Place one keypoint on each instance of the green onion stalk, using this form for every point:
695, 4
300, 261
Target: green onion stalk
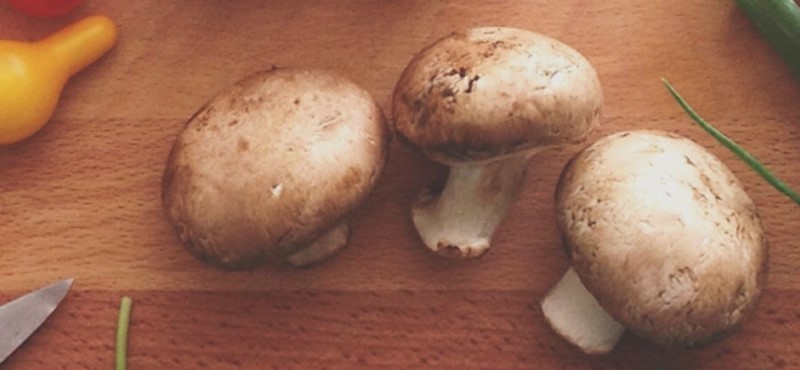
778, 21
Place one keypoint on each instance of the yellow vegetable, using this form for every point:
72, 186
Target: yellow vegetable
33, 74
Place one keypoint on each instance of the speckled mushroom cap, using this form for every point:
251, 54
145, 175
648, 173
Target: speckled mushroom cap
487, 92
270, 164
663, 235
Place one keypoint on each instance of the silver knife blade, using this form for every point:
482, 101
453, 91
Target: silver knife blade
22, 316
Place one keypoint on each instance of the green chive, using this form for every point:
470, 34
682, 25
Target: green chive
122, 333
735, 148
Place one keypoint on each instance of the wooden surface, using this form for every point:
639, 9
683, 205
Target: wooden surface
81, 198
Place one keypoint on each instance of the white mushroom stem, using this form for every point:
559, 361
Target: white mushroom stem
325, 246
575, 315
461, 221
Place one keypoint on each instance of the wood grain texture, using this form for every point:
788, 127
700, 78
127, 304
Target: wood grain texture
81, 198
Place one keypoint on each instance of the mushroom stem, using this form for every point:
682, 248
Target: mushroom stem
461, 221
577, 316
326, 245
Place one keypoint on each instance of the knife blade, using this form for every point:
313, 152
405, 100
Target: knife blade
21, 317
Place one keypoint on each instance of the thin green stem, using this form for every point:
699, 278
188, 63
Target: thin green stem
751, 161
122, 333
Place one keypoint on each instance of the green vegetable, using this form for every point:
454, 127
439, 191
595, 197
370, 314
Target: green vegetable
735, 148
778, 21
122, 333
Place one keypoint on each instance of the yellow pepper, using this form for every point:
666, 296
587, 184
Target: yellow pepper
32, 75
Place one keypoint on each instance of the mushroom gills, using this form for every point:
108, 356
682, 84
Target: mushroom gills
575, 314
461, 221
326, 245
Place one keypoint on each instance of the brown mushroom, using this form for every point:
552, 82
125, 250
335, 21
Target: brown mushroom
664, 242
273, 167
483, 102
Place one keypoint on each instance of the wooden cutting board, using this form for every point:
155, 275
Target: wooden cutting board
81, 198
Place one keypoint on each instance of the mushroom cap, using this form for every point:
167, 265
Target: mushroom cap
267, 166
492, 91
663, 235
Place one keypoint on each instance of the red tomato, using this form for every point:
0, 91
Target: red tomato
45, 8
